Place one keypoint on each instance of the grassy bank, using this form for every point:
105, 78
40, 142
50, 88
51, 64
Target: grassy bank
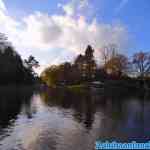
79, 88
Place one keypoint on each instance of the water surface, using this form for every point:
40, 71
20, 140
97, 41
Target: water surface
63, 120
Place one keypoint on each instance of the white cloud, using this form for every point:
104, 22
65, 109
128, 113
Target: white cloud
69, 9
41, 34
65, 32
2, 5
74, 7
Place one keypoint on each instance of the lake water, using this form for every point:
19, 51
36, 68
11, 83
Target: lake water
64, 120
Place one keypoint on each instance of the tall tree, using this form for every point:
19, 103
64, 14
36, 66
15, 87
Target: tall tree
31, 63
117, 65
109, 51
89, 53
12, 70
141, 63
89, 65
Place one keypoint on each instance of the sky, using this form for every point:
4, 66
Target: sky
55, 31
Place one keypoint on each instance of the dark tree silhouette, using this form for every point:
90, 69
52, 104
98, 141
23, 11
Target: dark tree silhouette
12, 69
141, 62
89, 53
31, 62
86, 64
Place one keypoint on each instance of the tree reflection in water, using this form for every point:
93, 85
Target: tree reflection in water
63, 119
11, 101
123, 112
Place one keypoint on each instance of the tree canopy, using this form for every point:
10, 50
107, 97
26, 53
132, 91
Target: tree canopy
12, 68
141, 62
83, 69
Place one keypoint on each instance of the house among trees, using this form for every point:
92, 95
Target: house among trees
84, 68
86, 64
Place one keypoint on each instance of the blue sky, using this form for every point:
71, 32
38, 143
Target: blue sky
119, 21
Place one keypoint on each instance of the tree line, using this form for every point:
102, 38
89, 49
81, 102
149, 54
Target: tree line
114, 65
14, 70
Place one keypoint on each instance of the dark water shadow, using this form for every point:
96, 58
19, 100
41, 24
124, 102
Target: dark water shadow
11, 101
125, 116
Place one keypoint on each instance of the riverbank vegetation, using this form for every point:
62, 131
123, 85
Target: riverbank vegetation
116, 70
13, 69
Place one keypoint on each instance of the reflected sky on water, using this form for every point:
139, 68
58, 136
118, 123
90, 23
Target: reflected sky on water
64, 120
